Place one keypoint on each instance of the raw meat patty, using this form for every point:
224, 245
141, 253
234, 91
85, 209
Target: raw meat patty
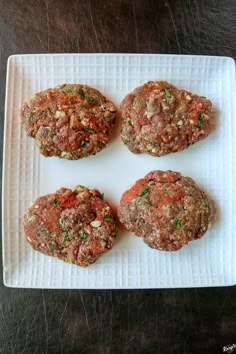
69, 121
75, 226
166, 209
158, 118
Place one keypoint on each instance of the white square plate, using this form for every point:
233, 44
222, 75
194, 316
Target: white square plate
210, 261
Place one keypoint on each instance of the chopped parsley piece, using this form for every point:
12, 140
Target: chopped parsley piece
107, 218
89, 130
83, 235
145, 191
200, 118
48, 234
61, 222
147, 206
83, 202
82, 94
130, 121
203, 96
143, 227
147, 138
178, 224
66, 92
101, 196
167, 93
149, 245
31, 115
54, 201
65, 233
52, 246
83, 143
88, 100
209, 209
126, 142
52, 135
143, 103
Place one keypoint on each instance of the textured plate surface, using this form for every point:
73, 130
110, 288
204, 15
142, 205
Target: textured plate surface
27, 175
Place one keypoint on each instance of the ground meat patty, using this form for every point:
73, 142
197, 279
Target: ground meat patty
158, 118
75, 226
166, 209
69, 121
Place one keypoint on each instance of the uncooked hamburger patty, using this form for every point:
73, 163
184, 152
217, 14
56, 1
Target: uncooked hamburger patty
158, 118
69, 121
75, 226
166, 209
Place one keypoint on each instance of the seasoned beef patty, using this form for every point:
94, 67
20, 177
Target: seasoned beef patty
75, 226
166, 209
69, 121
158, 118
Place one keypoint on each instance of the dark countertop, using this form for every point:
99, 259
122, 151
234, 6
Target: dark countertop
129, 321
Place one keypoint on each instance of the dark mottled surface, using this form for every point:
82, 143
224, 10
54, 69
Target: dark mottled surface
179, 321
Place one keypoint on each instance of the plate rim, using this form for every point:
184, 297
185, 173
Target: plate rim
229, 59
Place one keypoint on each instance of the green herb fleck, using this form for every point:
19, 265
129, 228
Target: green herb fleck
61, 222
82, 94
200, 118
54, 201
147, 138
167, 93
101, 196
209, 209
65, 233
48, 234
66, 92
178, 224
52, 135
89, 130
52, 246
83, 202
203, 97
31, 115
108, 219
129, 121
147, 206
83, 143
126, 142
149, 245
143, 227
83, 235
138, 199
89, 100
94, 154
143, 103
145, 191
